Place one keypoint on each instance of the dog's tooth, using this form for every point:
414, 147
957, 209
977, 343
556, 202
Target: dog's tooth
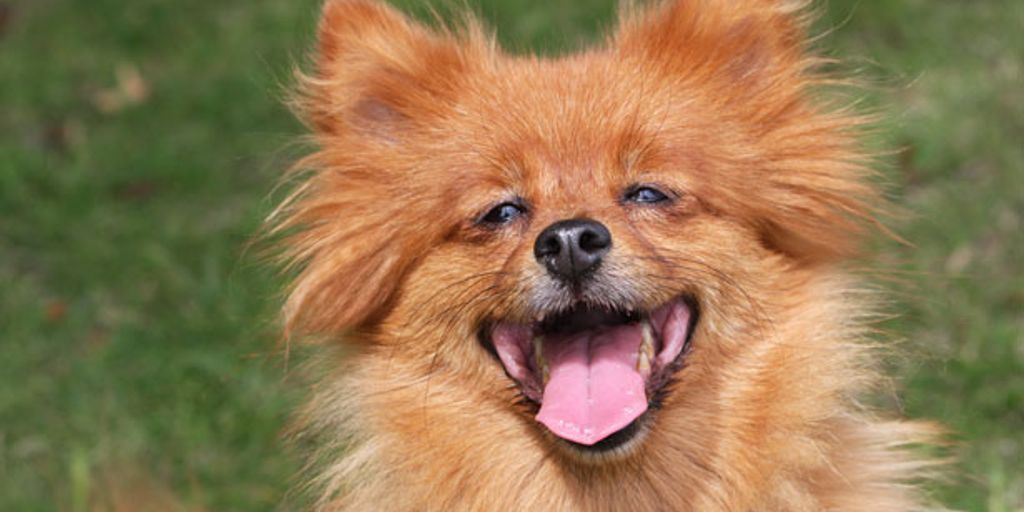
646, 352
643, 363
538, 357
646, 337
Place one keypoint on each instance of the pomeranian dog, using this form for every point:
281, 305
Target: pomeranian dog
612, 280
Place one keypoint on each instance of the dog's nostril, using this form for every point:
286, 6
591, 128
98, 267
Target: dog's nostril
591, 241
572, 249
548, 246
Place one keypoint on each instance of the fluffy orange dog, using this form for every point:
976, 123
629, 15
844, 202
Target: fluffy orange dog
607, 281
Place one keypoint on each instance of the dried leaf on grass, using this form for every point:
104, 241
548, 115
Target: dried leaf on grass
130, 89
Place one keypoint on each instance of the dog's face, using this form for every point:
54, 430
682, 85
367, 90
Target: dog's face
592, 242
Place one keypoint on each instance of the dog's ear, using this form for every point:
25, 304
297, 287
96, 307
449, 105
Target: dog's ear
796, 172
745, 43
377, 72
371, 204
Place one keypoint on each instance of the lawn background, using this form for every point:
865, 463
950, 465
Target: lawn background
140, 141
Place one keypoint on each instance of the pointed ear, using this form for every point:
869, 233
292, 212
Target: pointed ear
743, 42
376, 71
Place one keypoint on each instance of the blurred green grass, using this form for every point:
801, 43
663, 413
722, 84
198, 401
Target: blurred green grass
135, 332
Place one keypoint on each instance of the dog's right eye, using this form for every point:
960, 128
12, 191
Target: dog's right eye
502, 214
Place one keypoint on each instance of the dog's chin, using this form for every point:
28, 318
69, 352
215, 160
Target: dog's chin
595, 376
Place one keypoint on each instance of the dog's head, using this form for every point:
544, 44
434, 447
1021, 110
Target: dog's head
588, 240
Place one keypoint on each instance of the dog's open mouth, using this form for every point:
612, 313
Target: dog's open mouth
595, 371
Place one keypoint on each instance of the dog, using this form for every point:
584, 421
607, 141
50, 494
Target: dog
612, 280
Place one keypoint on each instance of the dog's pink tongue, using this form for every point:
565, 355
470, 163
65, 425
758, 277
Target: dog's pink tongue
594, 388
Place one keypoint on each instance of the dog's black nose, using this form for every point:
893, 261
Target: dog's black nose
572, 249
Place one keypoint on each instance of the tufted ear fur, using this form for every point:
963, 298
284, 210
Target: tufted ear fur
375, 69
367, 209
736, 41
797, 173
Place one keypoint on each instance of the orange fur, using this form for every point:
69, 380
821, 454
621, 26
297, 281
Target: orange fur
421, 130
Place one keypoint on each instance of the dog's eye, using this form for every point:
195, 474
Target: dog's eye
502, 214
645, 195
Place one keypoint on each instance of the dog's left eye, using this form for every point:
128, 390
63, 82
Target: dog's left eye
502, 214
644, 195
